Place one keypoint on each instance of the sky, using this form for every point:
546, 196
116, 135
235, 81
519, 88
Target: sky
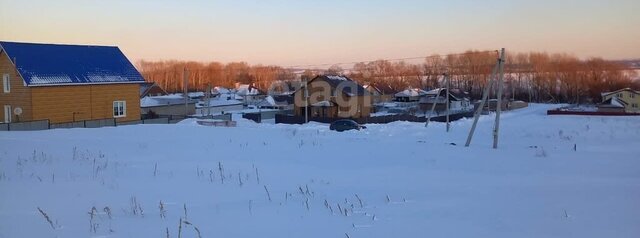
306, 32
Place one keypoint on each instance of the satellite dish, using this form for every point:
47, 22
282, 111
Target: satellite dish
17, 111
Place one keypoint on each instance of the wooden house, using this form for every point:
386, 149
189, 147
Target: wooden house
410, 95
458, 100
332, 97
65, 83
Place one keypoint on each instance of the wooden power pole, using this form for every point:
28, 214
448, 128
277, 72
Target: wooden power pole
433, 106
447, 101
485, 95
496, 128
185, 76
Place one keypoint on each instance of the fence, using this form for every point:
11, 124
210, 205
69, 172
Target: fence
25, 126
288, 119
265, 115
44, 124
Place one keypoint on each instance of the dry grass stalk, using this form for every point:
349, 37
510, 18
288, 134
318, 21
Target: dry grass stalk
359, 200
268, 194
163, 212
47, 218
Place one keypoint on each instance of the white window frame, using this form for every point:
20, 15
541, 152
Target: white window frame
122, 105
6, 83
7, 113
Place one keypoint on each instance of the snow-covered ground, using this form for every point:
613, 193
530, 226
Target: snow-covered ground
265, 180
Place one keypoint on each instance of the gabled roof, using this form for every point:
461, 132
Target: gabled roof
614, 102
248, 90
411, 92
346, 85
372, 88
284, 87
620, 90
147, 88
52, 64
166, 100
384, 88
275, 101
220, 90
455, 93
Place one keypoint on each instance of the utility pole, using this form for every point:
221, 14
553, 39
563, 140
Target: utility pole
433, 106
496, 128
306, 101
207, 98
447, 101
485, 94
186, 91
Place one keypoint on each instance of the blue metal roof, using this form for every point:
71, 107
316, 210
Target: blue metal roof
51, 64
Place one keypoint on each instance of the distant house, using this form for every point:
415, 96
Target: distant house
65, 83
249, 94
410, 95
151, 89
222, 93
380, 92
280, 102
284, 87
218, 105
622, 100
458, 100
167, 105
196, 95
332, 97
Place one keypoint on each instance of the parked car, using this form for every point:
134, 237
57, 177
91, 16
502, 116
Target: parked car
345, 125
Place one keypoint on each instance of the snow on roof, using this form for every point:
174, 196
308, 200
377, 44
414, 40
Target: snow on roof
171, 99
51, 64
219, 102
411, 92
195, 94
322, 104
221, 90
270, 100
267, 102
620, 90
247, 90
335, 77
616, 102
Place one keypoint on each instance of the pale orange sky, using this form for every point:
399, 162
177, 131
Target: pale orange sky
315, 32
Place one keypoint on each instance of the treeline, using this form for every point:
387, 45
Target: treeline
170, 74
535, 77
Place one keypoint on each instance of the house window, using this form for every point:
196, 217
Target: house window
119, 109
6, 83
634, 105
7, 113
631, 95
620, 95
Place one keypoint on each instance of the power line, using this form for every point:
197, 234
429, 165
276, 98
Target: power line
394, 59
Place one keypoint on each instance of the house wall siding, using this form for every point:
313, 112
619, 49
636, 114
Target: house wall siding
102, 97
20, 95
85, 102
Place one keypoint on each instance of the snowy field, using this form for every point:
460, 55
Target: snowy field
265, 180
